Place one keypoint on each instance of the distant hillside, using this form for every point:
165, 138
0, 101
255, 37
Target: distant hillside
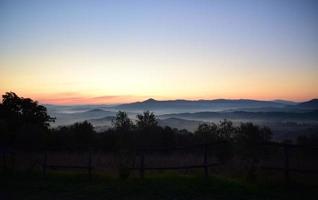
240, 115
312, 104
66, 118
240, 109
190, 125
94, 113
209, 105
103, 119
105, 122
285, 102
95, 110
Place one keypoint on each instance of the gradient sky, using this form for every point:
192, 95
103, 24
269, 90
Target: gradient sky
78, 52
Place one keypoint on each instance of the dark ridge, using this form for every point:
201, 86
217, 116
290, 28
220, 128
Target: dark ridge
96, 110
309, 104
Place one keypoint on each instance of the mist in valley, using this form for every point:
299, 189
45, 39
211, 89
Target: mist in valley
287, 120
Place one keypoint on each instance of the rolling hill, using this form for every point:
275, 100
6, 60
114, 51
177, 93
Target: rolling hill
200, 105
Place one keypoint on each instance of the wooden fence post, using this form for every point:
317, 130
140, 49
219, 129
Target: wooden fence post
13, 158
142, 167
90, 164
4, 160
205, 161
44, 164
286, 166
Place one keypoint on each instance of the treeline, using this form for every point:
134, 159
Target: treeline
25, 125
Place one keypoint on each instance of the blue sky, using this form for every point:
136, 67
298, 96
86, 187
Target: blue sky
163, 49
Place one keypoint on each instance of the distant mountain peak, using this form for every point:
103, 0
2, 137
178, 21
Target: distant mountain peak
150, 100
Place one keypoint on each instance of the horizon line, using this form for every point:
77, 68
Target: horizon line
160, 100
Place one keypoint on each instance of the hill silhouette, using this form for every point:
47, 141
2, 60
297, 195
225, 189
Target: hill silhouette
218, 104
312, 104
313, 115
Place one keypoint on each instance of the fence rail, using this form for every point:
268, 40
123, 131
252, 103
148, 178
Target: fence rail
205, 165
88, 167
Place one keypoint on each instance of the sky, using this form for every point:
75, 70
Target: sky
94, 51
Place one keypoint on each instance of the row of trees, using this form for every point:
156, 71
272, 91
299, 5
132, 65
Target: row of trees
125, 137
25, 123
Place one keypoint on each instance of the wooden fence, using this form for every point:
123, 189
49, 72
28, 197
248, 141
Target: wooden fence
286, 168
205, 165
88, 167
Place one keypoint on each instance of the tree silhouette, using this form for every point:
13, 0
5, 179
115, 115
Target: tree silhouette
226, 130
249, 139
121, 122
78, 136
17, 110
148, 130
21, 116
207, 132
147, 120
125, 149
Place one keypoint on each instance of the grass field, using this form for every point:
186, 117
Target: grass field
64, 185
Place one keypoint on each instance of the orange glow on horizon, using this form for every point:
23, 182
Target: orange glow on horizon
77, 99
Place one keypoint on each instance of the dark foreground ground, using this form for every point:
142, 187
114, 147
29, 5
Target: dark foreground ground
164, 186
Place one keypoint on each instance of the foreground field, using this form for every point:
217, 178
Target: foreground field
165, 186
